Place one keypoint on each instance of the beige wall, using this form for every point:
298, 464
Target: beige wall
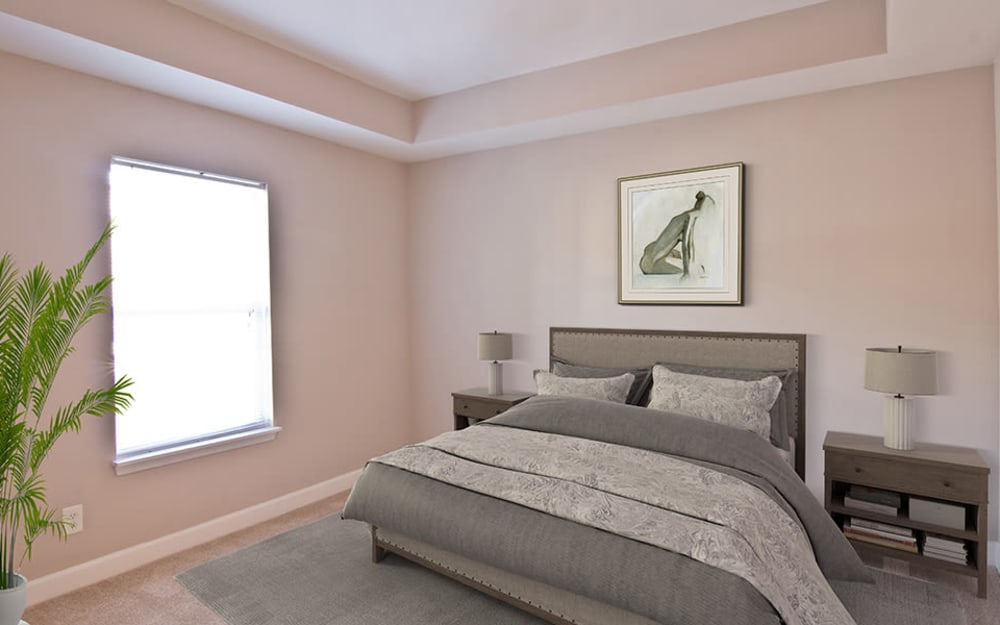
870, 219
339, 303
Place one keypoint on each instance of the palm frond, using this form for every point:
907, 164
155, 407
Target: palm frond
55, 344
113, 400
39, 319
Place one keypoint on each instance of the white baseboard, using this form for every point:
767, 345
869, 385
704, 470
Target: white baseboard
76, 577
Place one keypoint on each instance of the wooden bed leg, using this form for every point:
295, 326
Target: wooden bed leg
378, 553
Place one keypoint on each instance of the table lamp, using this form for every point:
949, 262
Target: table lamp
899, 372
495, 346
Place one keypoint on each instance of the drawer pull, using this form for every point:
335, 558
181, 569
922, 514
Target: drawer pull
857, 469
947, 484
465, 406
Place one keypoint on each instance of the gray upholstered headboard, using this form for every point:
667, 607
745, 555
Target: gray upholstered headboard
643, 348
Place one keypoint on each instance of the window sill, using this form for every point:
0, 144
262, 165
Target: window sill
156, 459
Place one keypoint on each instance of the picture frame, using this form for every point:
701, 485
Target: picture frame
681, 237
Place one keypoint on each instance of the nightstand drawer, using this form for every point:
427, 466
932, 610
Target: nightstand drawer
944, 482
478, 408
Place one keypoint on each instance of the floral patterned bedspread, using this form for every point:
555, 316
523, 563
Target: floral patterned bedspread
658, 499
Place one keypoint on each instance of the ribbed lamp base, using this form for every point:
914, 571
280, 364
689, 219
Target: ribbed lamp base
898, 422
495, 386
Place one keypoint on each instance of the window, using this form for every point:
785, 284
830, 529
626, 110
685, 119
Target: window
192, 312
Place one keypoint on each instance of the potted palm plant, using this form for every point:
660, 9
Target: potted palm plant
39, 318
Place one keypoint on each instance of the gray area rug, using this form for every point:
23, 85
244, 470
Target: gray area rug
322, 574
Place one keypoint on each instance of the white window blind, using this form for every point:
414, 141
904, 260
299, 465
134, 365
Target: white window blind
192, 312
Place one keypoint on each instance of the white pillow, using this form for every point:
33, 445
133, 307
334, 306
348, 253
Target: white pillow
609, 389
744, 404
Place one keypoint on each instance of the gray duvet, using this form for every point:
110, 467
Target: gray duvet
469, 492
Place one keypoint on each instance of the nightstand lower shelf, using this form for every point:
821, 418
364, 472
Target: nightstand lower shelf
869, 549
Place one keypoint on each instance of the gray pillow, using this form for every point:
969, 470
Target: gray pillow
609, 389
638, 394
783, 408
742, 404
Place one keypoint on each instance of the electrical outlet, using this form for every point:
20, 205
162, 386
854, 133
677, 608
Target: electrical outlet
74, 516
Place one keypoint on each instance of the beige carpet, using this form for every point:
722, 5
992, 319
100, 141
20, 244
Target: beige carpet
150, 595
977, 611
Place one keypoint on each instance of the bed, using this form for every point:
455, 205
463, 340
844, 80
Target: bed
580, 508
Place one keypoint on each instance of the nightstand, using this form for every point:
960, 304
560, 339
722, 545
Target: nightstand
939, 492
475, 404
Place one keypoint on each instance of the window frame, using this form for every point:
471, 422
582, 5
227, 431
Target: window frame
251, 433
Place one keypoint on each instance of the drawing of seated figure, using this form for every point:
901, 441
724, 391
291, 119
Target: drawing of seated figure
659, 257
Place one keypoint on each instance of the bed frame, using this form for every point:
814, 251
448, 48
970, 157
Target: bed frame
614, 348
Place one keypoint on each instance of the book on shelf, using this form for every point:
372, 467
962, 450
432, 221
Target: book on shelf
941, 543
871, 506
961, 556
894, 538
962, 553
874, 495
947, 557
853, 530
881, 527
883, 542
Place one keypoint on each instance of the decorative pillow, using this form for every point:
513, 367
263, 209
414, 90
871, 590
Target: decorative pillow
737, 403
609, 389
781, 410
638, 394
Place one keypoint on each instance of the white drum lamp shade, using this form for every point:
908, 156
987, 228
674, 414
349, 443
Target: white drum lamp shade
900, 372
495, 346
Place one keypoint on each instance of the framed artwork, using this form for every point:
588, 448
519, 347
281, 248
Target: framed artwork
681, 237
